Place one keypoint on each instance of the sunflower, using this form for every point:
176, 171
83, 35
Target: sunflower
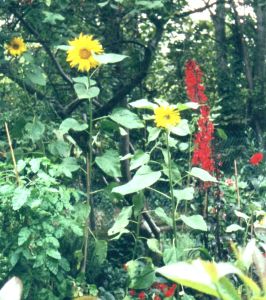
16, 46
166, 116
80, 54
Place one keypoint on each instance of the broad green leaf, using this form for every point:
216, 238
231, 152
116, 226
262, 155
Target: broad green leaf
109, 163
52, 265
154, 132
185, 194
195, 222
242, 215
20, 197
176, 175
202, 174
23, 235
35, 164
156, 4
86, 93
59, 148
109, 58
122, 220
141, 274
64, 47
103, 4
187, 105
52, 18
191, 275
36, 76
100, 251
53, 253
183, 146
138, 202
139, 159
73, 124
182, 129
68, 165
143, 103
154, 245
163, 216
126, 118
233, 228
35, 130
21, 164
227, 289
139, 182
222, 134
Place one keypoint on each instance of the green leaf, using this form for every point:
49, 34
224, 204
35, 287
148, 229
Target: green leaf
163, 216
53, 253
195, 222
23, 235
154, 245
35, 130
36, 76
35, 164
190, 275
126, 118
150, 4
233, 228
182, 129
138, 202
139, 182
185, 194
109, 163
64, 48
103, 4
20, 197
141, 275
222, 134
109, 58
202, 174
188, 105
154, 132
59, 148
68, 165
143, 103
100, 251
52, 265
52, 18
139, 159
73, 124
86, 93
121, 222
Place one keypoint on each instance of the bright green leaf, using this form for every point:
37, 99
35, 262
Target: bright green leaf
126, 118
109, 163
195, 222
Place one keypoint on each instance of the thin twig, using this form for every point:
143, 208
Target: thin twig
12, 154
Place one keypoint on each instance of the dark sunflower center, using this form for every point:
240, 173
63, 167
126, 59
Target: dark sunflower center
167, 117
15, 46
84, 53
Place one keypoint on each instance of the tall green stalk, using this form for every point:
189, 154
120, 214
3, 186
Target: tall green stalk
90, 216
171, 190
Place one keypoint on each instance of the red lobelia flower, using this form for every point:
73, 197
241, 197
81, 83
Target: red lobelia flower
156, 297
132, 293
193, 80
202, 155
141, 295
256, 158
171, 291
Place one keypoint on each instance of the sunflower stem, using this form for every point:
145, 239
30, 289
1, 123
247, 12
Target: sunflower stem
171, 190
90, 216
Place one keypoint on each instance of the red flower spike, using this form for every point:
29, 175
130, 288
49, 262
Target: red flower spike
256, 158
141, 296
156, 297
193, 80
132, 293
171, 291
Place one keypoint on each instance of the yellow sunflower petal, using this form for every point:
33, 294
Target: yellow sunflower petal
166, 116
80, 55
16, 46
